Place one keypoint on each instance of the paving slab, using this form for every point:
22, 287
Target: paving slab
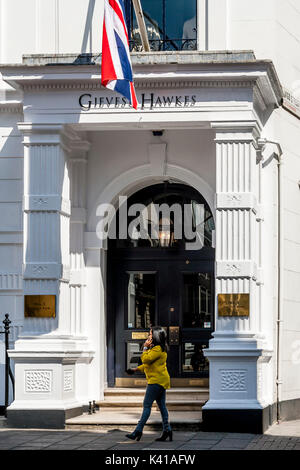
284, 436
285, 428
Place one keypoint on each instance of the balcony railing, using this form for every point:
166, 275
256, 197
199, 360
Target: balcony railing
165, 45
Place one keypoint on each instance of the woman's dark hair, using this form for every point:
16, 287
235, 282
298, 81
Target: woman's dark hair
159, 337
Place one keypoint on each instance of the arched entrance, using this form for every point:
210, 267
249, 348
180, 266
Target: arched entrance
161, 273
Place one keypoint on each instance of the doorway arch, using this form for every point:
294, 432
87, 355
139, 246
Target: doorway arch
157, 280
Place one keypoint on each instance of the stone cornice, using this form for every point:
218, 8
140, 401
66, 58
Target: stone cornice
158, 71
145, 83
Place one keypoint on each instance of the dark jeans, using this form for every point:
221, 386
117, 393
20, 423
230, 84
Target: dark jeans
158, 393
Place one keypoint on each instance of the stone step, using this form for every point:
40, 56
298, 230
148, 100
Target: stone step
180, 405
173, 393
180, 399
126, 420
122, 408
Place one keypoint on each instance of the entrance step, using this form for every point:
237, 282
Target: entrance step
126, 420
178, 399
122, 407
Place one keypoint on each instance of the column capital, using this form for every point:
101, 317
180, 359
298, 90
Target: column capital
55, 134
230, 132
76, 145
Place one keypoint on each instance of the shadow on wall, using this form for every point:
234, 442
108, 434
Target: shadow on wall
86, 57
88, 30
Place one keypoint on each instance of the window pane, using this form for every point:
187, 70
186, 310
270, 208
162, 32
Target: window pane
181, 24
153, 15
170, 24
193, 358
197, 300
141, 300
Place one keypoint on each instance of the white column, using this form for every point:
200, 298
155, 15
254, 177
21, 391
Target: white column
48, 356
237, 350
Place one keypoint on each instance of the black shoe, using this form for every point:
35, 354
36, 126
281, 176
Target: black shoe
165, 435
135, 435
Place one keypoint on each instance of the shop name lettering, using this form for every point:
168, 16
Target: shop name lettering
149, 101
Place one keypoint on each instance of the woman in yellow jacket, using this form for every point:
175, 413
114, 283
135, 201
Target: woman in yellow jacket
154, 366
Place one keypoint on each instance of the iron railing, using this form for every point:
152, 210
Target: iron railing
164, 45
8, 371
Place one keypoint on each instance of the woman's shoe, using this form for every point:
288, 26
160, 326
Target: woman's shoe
135, 435
165, 435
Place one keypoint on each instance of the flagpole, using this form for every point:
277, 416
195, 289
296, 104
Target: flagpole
141, 24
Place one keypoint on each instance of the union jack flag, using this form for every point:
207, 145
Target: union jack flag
116, 70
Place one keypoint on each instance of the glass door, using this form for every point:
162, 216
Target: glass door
191, 318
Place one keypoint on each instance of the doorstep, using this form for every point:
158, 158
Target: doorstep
127, 418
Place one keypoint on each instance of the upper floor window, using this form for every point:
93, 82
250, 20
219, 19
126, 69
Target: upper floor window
171, 25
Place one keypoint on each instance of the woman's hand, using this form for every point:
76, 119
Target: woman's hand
131, 371
148, 343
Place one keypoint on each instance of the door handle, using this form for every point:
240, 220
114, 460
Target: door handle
174, 335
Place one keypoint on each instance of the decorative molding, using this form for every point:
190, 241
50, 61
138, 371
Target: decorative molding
236, 201
236, 269
233, 380
146, 83
11, 281
38, 381
68, 380
47, 203
29, 128
236, 132
42, 271
11, 107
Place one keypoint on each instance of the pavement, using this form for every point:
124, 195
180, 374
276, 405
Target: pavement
283, 436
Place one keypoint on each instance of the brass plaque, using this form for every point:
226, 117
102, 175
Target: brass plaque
39, 306
233, 305
196, 382
129, 383
140, 383
174, 335
139, 335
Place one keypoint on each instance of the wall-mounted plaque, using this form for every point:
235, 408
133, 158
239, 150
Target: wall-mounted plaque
233, 305
139, 335
174, 333
39, 306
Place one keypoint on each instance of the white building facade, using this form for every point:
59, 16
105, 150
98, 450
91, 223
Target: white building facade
214, 124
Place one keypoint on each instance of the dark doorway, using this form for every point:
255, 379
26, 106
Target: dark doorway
160, 282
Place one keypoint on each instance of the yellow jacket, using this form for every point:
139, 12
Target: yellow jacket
154, 366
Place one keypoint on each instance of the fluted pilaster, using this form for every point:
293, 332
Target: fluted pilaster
47, 210
78, 164
237, 224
